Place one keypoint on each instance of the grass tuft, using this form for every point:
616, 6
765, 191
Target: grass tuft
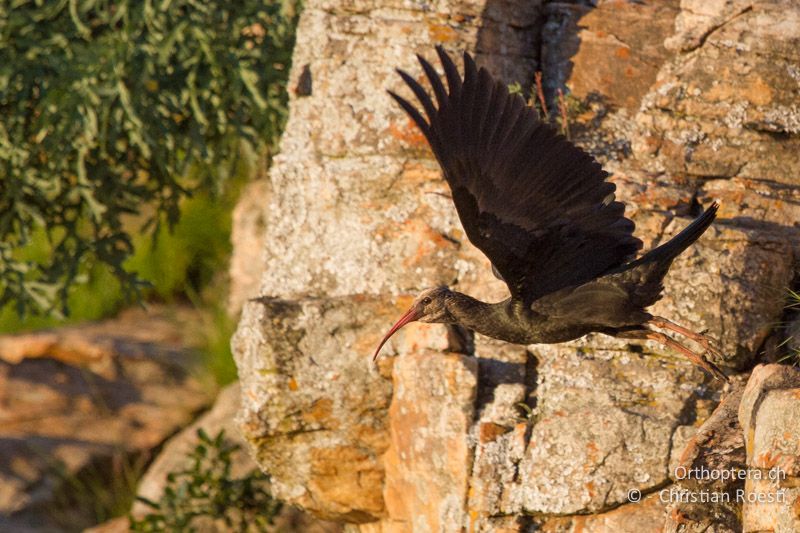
792, 343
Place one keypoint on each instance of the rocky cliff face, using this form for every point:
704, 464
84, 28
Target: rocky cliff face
683, 102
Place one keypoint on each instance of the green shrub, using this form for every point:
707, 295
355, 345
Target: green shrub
180, 263
206, 491
115, 112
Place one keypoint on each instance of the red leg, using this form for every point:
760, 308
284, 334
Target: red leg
664, 340
699, 338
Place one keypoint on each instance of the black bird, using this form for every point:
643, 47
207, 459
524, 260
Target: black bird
542, 211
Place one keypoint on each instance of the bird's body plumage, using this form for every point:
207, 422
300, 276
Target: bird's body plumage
544, 214
613, 303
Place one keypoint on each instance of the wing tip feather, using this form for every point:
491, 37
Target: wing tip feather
447, 136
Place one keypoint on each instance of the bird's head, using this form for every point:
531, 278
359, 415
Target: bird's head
429, 306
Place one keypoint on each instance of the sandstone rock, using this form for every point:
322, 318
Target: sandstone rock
707, 470
506, 378
703, 517
604, 426
716, 446
313, 409
425, 487
729, 107
620, 50
288, 520
78, 400
646, 516
699, 18
770, 416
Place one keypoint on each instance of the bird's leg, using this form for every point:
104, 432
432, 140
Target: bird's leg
665, 340
699, 338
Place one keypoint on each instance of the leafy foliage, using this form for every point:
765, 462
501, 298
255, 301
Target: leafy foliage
111, 107
206, 491
196, 251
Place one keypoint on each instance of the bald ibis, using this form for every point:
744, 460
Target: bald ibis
542, 211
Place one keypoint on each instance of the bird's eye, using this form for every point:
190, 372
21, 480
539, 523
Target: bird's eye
426, 300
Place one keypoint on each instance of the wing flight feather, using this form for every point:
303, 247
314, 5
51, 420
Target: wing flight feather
539, 207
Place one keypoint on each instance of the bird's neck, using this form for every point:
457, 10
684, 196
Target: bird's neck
492, 320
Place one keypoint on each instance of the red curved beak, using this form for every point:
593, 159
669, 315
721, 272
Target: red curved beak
410, 316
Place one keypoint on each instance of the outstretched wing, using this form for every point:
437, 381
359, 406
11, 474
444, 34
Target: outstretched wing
539, 207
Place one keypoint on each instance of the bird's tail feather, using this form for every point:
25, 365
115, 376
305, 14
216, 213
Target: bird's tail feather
675, 246
664, 254
647, 273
